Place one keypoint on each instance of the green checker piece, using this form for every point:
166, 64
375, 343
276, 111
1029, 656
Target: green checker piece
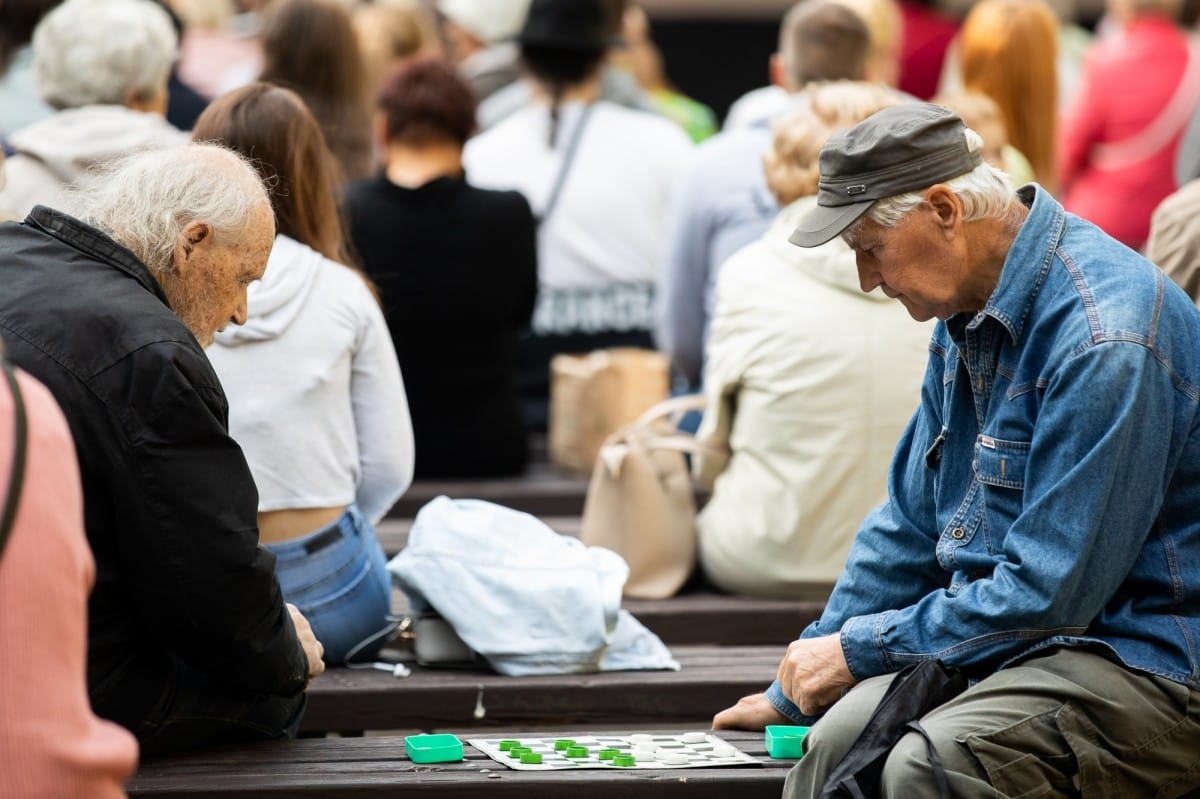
577, 751
517, 751
562, 744
506, 745
531, 758
608, 754
624, 760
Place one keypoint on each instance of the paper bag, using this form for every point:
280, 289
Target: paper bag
594, 395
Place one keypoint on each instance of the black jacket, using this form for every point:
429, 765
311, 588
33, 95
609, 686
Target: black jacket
169, 503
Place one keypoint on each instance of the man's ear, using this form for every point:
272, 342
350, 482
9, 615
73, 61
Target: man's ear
155, 103
194, 235
947, 208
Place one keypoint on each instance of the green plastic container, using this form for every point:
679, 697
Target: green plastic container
439, 748
784, 741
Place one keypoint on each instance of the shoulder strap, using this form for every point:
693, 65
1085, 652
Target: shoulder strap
16, 476
568, 160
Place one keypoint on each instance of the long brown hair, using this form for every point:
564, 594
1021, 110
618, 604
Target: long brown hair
1009, 49
273, 128
310, 46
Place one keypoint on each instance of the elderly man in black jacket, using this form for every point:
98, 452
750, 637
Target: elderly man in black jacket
190, 641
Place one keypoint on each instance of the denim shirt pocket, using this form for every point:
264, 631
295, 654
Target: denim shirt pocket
1000, 468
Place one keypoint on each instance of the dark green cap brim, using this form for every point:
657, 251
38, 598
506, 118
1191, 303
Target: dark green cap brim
823, 222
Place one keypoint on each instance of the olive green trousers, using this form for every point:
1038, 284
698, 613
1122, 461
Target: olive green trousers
1070, 723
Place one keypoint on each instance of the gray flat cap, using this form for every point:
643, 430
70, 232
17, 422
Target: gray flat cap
902, 148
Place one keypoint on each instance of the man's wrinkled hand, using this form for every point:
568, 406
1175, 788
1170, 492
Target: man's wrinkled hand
814, 674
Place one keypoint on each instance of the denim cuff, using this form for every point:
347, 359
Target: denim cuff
785, 706
862, 646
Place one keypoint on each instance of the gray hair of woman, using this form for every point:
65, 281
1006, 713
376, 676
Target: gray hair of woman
815, 114
110, 52
145, 200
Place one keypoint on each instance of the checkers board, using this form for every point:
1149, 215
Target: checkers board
636, 751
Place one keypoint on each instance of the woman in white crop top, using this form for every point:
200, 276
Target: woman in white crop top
315, 394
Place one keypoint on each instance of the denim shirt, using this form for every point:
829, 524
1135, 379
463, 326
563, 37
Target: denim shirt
1047, 490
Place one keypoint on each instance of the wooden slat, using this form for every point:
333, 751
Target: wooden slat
393, 532
543, 491
707, 618
371, 768
712, 678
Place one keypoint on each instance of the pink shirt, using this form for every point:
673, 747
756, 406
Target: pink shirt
52, 746
1127, 82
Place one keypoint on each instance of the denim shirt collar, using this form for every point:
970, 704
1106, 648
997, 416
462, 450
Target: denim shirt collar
96, 243
1025, 268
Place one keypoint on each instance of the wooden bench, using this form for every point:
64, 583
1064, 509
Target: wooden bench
706, 617
692, 617
712, 678
699, 617
374, 768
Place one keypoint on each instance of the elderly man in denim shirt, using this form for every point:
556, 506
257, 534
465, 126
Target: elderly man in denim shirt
1042, 528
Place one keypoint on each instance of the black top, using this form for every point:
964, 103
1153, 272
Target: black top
169, 503
456, 268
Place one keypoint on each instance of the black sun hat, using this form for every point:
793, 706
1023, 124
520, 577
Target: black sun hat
581, 25
902, 148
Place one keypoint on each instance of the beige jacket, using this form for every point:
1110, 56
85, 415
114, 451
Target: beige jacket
1174, 242
810, 382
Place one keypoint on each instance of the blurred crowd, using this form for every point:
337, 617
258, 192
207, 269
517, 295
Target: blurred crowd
458, 191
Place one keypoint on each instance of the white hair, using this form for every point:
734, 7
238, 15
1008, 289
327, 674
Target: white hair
99, 52
986, 193
145, 200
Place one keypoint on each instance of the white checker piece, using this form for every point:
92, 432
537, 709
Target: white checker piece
686, 750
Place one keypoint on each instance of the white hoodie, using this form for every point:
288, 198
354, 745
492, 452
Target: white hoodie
61, 148
315, 395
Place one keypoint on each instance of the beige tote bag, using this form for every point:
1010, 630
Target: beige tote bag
640, 501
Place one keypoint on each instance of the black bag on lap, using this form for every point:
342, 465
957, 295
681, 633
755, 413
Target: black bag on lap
916, 690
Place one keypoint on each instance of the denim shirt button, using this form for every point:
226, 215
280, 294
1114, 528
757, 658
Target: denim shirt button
957, 533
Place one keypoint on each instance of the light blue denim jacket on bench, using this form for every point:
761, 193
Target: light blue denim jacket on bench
527, 599
1047, 491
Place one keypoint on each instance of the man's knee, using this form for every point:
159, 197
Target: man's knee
841, 725
909, 772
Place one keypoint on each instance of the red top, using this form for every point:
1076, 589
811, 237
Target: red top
926, 36
1128, 80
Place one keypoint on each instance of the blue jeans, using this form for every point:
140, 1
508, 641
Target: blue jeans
338, 578
194, 711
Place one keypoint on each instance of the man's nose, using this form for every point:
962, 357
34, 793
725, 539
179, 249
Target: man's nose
240, 313
868, 278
